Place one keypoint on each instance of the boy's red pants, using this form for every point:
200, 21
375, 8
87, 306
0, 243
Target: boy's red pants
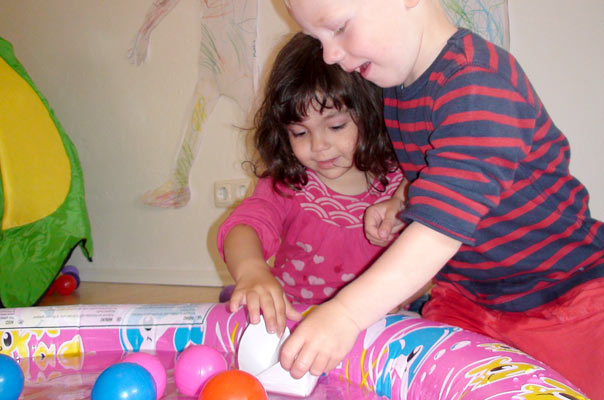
567, 334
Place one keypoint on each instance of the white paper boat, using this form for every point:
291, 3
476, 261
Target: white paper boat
258, 354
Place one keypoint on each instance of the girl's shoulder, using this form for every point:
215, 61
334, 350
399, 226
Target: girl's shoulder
268, 194
267, 186
381, 193
394, 181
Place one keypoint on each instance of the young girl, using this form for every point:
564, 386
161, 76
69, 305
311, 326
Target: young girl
325, 157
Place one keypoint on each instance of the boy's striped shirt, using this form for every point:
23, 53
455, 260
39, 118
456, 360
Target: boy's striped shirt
489, 168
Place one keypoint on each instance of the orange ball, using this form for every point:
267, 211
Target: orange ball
233, 385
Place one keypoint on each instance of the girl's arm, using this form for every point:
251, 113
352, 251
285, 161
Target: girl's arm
255, 285
328, 333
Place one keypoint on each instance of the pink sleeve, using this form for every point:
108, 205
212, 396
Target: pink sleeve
265, 212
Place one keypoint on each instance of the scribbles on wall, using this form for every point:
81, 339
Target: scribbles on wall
489, 18
227, 67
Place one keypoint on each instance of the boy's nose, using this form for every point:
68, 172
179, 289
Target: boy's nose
332, 53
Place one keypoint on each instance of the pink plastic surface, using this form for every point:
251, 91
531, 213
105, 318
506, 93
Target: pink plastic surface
62, 350
154, 366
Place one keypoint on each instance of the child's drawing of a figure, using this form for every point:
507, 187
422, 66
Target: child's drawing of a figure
226, 68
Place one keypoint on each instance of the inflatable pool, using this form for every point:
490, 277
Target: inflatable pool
62, 350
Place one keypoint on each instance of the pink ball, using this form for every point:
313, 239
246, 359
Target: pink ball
195, 365
153, 366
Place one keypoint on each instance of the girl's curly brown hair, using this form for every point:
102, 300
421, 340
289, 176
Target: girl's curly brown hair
301, 79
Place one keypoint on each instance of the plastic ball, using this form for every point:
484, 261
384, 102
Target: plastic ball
153, 366
76, 277
233, 385
124, 381
51, 289
11, 378
65, 284
226, 293
73, 271
70, 269
195, 365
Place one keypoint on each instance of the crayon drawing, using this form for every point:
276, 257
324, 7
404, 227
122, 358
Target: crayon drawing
227, 67
488, 18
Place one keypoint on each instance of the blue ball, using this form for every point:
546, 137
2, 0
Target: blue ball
124, 381
11, 378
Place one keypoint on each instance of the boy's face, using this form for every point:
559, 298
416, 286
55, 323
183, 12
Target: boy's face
376, 38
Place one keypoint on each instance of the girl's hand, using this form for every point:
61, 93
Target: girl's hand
255, 286
261, 292
321, 341
381, 222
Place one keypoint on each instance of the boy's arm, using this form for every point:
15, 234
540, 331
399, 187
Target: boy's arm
255, 285
328, 333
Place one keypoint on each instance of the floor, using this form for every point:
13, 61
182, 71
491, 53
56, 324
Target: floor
125, 293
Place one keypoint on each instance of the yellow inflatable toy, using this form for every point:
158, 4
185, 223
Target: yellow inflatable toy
42, 207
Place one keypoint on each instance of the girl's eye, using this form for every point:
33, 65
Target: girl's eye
297, 134
338, 127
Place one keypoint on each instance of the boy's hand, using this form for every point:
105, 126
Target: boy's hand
260, 291
320, 342
381, 222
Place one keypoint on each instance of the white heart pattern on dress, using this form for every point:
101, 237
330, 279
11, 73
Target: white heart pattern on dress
318, 259
307, 294
347, 277
306, 247
313, 280
287, 278
328, 291
298, 265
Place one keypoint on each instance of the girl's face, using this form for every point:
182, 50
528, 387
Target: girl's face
377, 38
326, 142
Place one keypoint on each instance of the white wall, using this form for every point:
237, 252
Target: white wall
127, 121
560, 45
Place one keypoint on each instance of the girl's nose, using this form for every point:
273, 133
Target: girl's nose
318, 143
332, 53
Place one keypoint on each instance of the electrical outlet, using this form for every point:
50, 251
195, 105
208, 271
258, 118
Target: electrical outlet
230, 191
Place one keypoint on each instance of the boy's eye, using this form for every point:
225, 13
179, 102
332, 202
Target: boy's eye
340, 29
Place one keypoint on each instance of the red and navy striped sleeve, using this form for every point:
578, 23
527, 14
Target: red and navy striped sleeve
488, 167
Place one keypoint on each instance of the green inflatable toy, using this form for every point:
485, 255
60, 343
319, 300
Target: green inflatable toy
42, 207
